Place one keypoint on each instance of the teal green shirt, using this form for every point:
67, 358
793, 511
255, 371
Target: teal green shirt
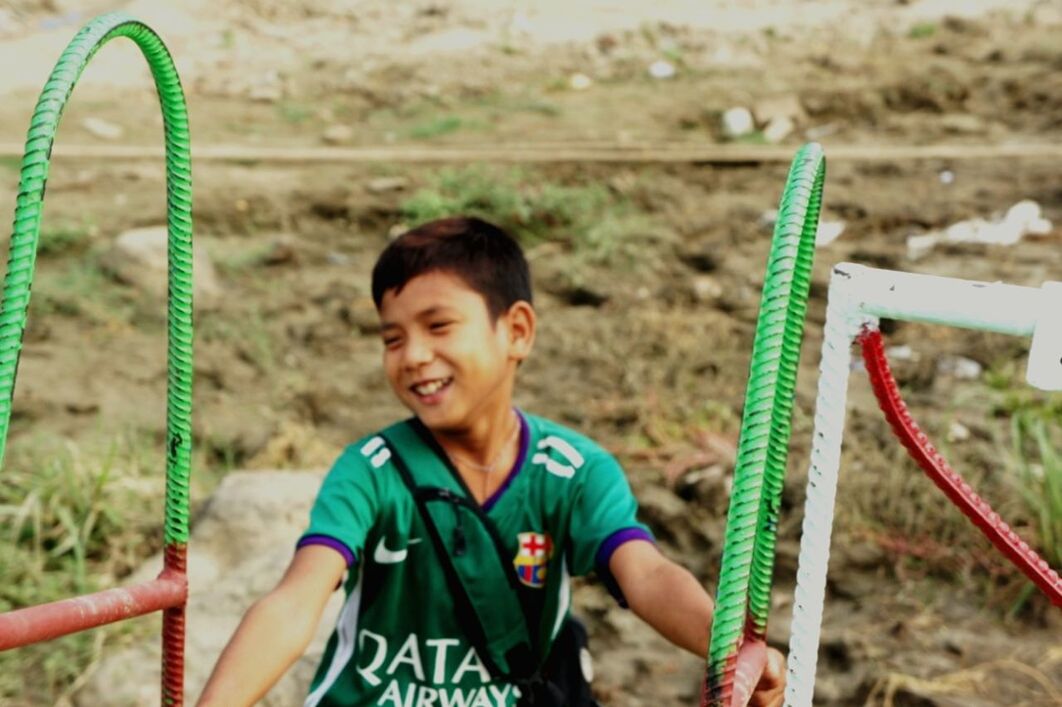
562, 511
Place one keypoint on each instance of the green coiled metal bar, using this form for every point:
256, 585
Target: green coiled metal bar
27, 226
743, 595
22, 258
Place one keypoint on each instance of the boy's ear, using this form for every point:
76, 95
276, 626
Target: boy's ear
521, 321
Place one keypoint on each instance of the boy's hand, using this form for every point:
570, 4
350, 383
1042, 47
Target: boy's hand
761, 668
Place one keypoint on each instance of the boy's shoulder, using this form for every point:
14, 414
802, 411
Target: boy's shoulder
369, 451
551, 439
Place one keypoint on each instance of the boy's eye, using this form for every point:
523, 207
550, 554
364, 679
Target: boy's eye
439, 326
392, 341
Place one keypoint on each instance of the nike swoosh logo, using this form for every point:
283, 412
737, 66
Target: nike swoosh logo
384, 556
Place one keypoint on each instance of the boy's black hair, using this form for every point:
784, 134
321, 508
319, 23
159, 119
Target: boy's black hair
487, 258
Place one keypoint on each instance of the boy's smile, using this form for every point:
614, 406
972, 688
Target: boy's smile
444, 356
430, 392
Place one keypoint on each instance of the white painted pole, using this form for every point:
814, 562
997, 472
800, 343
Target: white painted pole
843, 323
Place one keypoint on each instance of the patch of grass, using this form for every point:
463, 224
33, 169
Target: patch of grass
72, 519
64, 238
294, 113
593, 225
1035, 454
922, 30
513, 199
435, 127
499, 103
239, 257
77, 287
756, 137
247, 333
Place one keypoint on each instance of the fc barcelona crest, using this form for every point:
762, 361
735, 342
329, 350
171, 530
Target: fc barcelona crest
532, 556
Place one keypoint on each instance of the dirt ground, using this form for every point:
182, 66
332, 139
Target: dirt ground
647, 353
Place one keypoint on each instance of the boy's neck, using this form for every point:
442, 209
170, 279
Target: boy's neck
483, 453
481, 442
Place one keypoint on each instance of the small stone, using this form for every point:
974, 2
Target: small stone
282, 251
958, 432
963, 124
901, 353
661, 69
102, 128
705, 288
268, 88
947, 176
768, 218
737, 122
960, 367
769, 109
337, 134
139, 258
606, 43
921, 245
778, 129
382, 185
580, 82
265, 94
822, 131
828, 232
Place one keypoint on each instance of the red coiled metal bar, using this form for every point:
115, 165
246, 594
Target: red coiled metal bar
961, 494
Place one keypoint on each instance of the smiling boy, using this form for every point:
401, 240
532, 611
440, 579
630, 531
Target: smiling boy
455, 534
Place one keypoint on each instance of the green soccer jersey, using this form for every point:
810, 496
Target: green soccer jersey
561, 512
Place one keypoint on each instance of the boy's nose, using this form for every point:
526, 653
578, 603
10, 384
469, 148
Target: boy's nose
417, 353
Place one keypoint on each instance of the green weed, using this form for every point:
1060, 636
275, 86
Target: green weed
436, 127
64, 238
597, 226
756, 137
72, 520
294, 113
247, 333
1035, 454
922, 30
77, 287
236, 258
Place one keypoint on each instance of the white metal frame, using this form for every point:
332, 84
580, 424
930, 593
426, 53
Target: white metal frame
859, 297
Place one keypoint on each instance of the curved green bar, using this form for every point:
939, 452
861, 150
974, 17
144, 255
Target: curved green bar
743, 596
27, 226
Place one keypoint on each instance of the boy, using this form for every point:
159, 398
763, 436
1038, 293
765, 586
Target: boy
458, 594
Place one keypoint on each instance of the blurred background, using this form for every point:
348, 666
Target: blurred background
648, 272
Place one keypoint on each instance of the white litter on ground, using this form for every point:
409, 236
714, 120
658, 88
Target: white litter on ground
1022, 219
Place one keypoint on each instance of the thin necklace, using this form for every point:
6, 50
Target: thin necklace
488, 469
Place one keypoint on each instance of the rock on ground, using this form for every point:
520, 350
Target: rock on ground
240, 547
139, 257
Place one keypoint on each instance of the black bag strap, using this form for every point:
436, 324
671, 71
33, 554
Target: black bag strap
523, 668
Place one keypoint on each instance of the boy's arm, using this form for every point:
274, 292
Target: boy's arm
664, 595
671, 600
275, 630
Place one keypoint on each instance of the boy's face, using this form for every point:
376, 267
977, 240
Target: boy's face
444, 357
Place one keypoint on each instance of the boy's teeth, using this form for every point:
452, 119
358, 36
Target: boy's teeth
429, 388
